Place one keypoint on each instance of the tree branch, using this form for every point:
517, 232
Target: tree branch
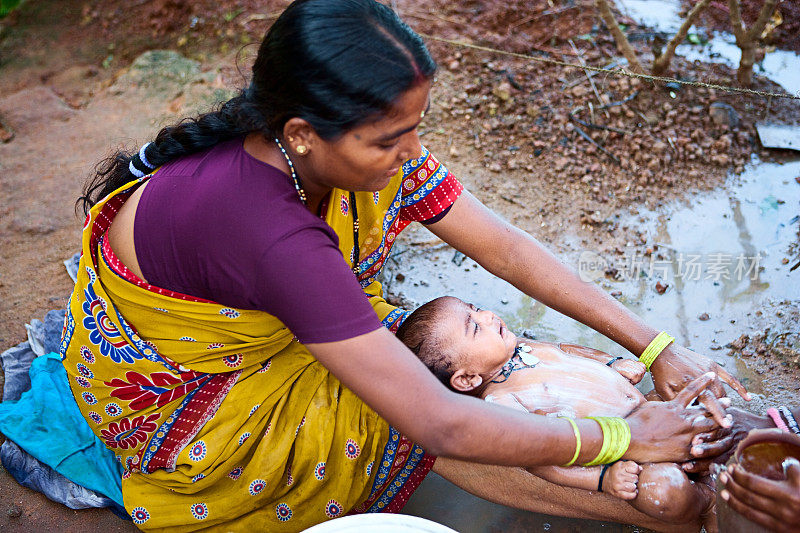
623, 45
763, 17
661, 63
736, 20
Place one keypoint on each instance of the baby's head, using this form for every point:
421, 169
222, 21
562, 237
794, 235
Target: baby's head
462, 345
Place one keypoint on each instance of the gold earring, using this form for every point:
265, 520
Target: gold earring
301, 149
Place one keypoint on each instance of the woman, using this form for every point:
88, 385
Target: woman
219, 339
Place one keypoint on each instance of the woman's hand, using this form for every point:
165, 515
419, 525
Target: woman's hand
769, 503
743, 423
630, 369
677, 366
665, 431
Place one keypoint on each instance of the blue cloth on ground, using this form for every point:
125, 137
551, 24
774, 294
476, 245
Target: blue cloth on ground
46, 423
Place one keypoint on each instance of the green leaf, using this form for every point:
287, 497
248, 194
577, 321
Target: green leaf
230, 15
696, 38
7, 6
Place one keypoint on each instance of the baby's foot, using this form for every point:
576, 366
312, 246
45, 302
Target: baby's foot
621, 479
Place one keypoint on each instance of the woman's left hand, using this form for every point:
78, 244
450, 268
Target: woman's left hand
677, 366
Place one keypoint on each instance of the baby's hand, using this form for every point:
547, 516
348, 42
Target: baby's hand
621, 479
630, 369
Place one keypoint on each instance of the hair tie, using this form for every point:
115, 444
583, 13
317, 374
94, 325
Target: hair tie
135, 171
143, 157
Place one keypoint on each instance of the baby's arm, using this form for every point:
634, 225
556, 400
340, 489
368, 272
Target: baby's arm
619, 480
630, 369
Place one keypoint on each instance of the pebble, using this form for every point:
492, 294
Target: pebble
14, 512
723, 114
661, 287
703, 317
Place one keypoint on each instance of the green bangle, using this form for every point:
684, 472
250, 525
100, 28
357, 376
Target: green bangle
655, 348
577, 440
616, 439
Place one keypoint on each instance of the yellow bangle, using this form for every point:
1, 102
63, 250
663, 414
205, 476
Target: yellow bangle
616, 439
653, 349
577, 440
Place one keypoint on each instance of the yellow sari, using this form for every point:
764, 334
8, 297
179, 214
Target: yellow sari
220, 417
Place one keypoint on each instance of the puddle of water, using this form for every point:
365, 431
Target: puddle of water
721, 255
751, 221
781, 66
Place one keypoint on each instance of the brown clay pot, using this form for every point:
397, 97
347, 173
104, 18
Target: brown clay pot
761, 452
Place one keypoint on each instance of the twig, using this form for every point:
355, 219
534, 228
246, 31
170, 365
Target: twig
537, 16
591, 82
661, 63
621, 102
574, 116
588, 138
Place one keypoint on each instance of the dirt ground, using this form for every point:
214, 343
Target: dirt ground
513, 129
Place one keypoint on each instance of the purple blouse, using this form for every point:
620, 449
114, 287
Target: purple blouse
224, 226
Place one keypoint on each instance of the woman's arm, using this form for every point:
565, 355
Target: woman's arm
515, 256
390, 379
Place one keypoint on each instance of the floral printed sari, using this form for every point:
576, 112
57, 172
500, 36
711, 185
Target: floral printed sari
220, 417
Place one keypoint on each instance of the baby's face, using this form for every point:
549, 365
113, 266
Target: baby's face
479, 337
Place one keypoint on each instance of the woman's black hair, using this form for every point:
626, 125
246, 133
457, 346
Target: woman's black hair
334, 63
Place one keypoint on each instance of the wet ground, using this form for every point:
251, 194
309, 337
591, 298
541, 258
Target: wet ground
66, 108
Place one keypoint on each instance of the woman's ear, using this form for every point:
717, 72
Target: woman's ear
299, 136
463, 381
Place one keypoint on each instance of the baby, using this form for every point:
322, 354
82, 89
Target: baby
472, 351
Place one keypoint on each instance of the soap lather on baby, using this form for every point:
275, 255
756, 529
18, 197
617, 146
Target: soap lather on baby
473, 352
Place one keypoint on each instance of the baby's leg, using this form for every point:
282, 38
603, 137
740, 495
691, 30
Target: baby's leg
666, 493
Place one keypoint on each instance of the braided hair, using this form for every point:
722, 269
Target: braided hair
334, 63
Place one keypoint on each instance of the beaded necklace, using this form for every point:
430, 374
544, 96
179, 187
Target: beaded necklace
522, 358
302, 194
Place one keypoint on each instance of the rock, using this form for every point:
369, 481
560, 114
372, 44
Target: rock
703, 317
661, 287
721, 160
159, 72
616, 294
14, 512
5, 134
739, 343
579, 91
74, 84
660, 147
400, 277
495, 167
453, 65
723, 114
502, 91
652, 118
30, 111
